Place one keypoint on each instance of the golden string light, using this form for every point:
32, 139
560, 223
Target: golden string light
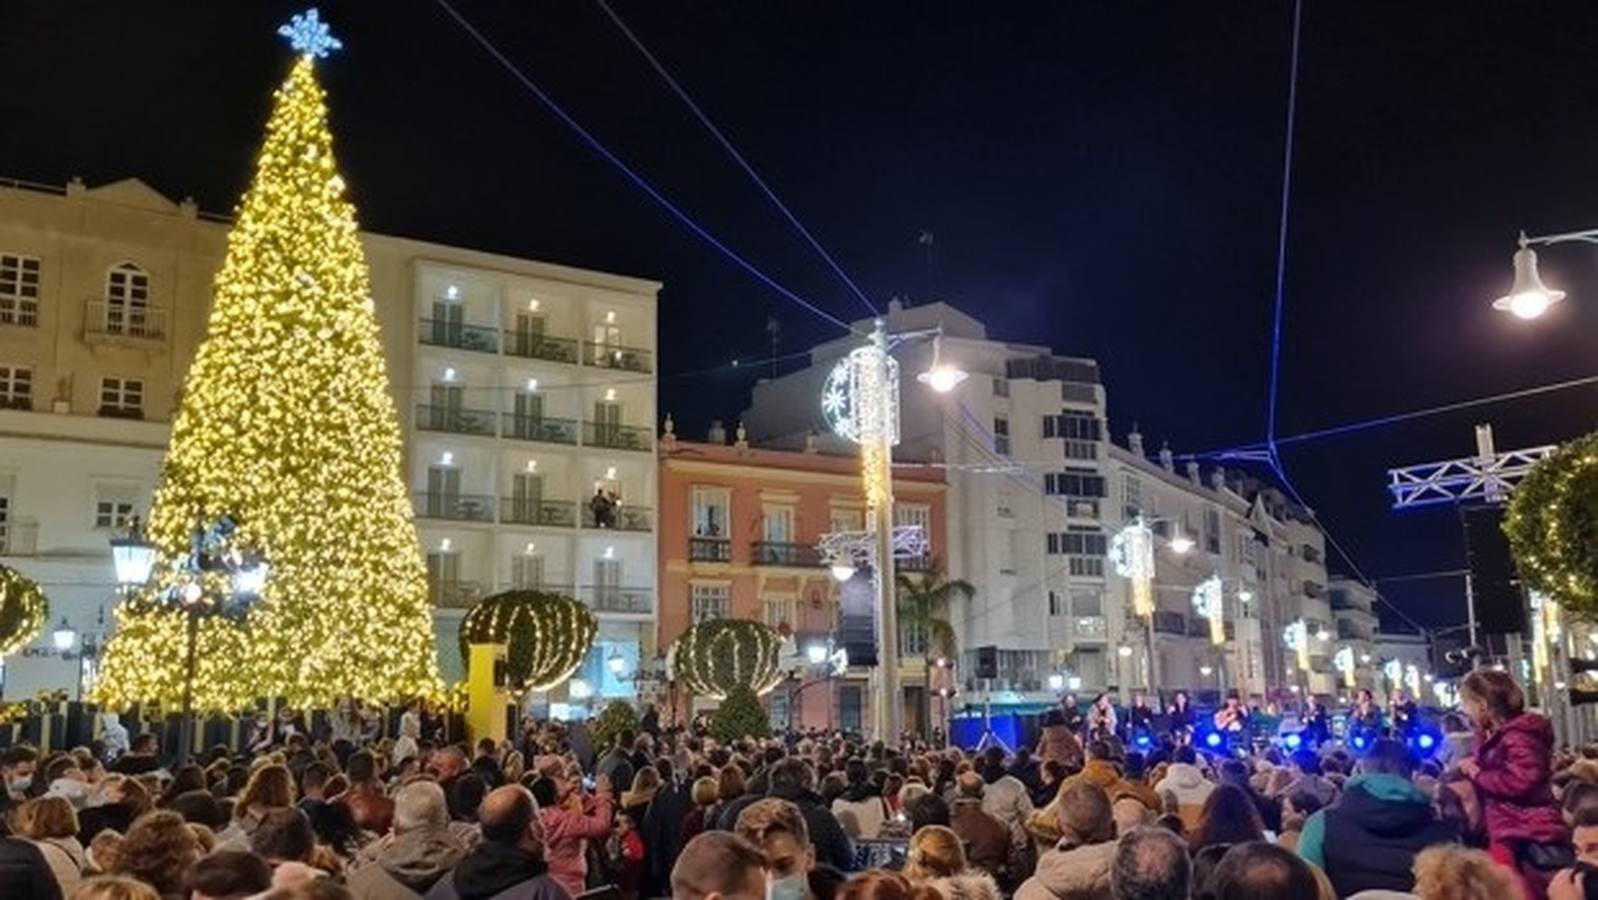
547, 636
23, 610
717, 655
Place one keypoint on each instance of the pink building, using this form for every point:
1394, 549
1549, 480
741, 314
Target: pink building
738, 530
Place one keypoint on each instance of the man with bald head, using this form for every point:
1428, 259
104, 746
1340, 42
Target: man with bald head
509, 863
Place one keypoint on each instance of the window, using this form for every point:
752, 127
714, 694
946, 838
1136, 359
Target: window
1087, 603
918, 515
1075, 449
776, 525
127, 300
5, 523
1131, 496
19, 290
1078, 541
1056, 604
843, 519
777, 611
1212, 530
1001, 387
1077, 426
526, 571
1001, 436
1085, 566
710, 512
115, 514
710, 601
121, 397
16, 387
1074, 482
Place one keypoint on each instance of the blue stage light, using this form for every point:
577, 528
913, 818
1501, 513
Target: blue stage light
1359, 741
1143, 741
1425, 742
1213, 739
1292, 741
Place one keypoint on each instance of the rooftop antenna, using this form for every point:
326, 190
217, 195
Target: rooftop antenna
773, 331
926, 241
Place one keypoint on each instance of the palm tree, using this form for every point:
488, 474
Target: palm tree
923, 606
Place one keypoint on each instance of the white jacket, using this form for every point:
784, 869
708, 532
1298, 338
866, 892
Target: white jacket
1184, 787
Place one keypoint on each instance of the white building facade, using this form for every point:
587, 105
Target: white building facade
522, 388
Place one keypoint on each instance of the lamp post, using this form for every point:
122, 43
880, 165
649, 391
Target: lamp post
211, 552
1131, 553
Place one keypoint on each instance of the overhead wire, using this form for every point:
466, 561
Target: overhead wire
632, 175
726, 144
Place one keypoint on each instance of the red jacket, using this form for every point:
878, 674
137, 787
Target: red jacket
1514, 782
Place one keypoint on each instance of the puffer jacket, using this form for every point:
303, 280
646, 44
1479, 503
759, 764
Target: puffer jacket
1183, 791
1518, 803
967, 886
1070, 872
67, 861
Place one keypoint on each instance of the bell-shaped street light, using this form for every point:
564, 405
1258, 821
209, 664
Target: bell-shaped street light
1528, 297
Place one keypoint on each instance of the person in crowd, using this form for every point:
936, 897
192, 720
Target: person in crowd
344, 722
283, 838
1184, 788
1139, 718
1050, 774
1181, 719
1236, 772
778, 828
1369, 838
861, 810
416, 853
1366, 717
1257, 870
1102, 769
1584, 835
114, 887
1296, 810
1151, 863
1309, 777
1005, 797
313, 786
793, 779
158, 850
140, 758
1232, 718
270, 788
704, 794
17, 765
227, 875
882, 884
368, 803
1059, 744
1403, 712
1512, 772
661, 827
1103, 721
1458, 740
1229, 817
719, 865
1072, 718
1316, 722
510, 863
635, 801
262, 735
616, 764
24, 871
986, 839
1027, 770
51, 824
569, 821
936, 858
1452, 872
113, 736
1078, 865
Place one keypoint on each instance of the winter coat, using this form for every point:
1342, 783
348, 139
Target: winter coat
861, 811
1104, 774
371, 809
1059, 743
1368, 839
831, 842
66, 859
1070, 872
567, 832
661, 830
617, 766
966, 886
986, 839
1518, 804
1183, 791
1005, 798
497, 871
24, 872
404, 865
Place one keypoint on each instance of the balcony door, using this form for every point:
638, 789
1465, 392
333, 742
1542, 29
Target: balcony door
127, 300
443, 573
607, 341
607, 583
528, 332
449, 321
777, 525
607, 422
527, 571
443, 490
444, 405
526, 496
528, 414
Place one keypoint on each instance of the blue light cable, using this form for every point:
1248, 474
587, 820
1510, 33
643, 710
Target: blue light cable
1281, 235
637, 180
732, 151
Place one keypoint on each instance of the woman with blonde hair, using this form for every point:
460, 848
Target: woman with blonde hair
113, 887
51, 824
270, 787
936, 858
636, 801
1452, 872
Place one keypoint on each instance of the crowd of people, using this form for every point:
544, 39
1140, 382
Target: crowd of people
1082, 815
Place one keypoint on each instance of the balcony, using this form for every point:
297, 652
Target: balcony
543, 429
458, 335
22, 402
616, 437
708, 549
538, 346
547, 513
119, 411
454, 507
610, 356
455, 420
1167, 622
780, 553
119, 322
450, 593
1314, 591
627, 518
921, 563
1090, 628
612, 599
19, 537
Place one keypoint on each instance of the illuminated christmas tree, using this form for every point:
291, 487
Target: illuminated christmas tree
286, 424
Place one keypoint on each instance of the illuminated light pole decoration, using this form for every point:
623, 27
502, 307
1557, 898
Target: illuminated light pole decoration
1393, 671
1209, 601
1296, 637
1412, 679
1132, 554
1343, 661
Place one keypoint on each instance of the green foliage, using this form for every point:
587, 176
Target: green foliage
547, 636
1552, 526
23, 610
739, 715
923, 603
618, 717
718, 655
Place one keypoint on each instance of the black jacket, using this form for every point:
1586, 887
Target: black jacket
1372, 833
661, 830
826, 834
24, 873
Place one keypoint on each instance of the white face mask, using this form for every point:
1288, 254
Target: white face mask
793, 887
21, 783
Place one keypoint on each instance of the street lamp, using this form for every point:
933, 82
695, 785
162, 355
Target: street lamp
1205, 671
941, 376
1056, 682
816, 653
64, 637
617, 663
1529, 298
1181, 545
133, 557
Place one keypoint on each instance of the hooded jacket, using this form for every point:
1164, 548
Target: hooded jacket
1368, 839
497, 871
1518, 803
406, 865
1183, 791
1071, 873
967, 886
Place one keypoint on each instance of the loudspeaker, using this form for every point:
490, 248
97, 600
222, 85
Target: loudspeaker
857, 619
1500, 609
988, 662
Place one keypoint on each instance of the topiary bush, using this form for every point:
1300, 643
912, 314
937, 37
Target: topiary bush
718, 655
547, 636
740, 715
23, 610
618, 717
1552, 526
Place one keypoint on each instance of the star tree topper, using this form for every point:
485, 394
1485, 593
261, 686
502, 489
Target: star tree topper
310, 35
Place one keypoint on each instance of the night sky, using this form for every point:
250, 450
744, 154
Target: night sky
1102, 178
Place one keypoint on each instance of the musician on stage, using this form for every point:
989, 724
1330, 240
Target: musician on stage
1182, 719
1404, 714
1102, 719
1366, 716
1140, 718
1232, 718
1317, 726
1072, 714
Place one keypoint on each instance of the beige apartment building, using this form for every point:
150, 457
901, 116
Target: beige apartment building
523, 387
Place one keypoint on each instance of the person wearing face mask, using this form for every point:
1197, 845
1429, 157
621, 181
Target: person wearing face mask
262, 733
778, 828
17, 764
718, 865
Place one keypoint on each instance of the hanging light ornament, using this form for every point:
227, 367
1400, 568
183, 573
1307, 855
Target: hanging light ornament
1343, 661
1209, 601
1132, 554
1296, 637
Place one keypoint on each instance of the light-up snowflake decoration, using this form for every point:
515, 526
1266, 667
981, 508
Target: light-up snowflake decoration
1394, 670
1209, 601
860, 398
1132, 555
1296, 636
1343, 661
308, 34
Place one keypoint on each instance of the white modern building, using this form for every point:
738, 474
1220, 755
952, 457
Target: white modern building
1358, 627
523, 387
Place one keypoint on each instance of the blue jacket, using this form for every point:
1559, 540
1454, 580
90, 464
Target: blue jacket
1368, 839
